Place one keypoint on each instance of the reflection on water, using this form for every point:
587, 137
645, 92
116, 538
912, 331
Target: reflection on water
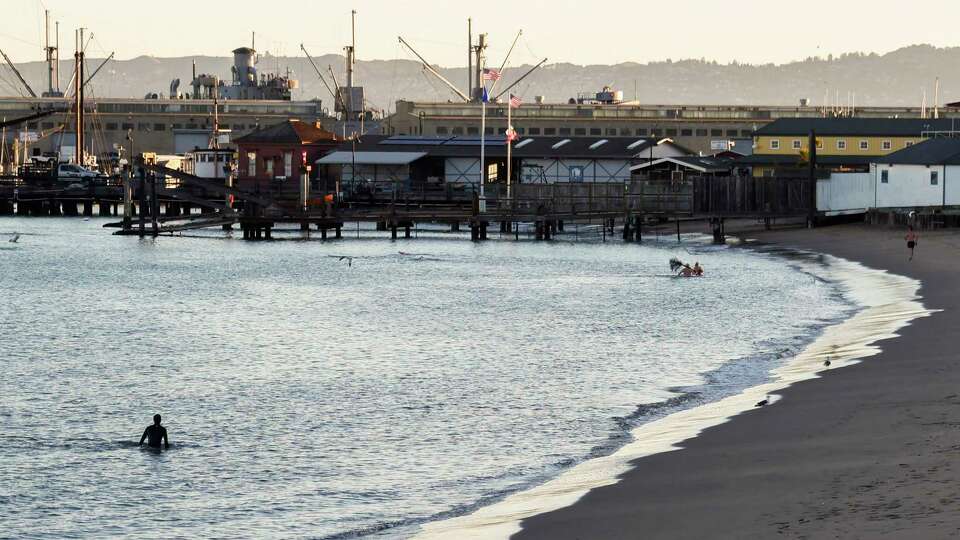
325, 389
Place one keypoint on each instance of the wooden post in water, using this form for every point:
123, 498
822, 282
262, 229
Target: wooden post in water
142, 207
678, 230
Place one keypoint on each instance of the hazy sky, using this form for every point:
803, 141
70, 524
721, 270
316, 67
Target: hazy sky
581, 32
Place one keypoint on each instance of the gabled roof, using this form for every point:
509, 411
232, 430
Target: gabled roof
852, 127
528, 146
705, 164
288, 132
930, 152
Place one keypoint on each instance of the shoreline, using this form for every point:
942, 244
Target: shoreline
846, 342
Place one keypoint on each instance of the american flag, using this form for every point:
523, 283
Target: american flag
490, 74
515, 101
512, 134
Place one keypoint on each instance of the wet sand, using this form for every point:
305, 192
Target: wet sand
867, 451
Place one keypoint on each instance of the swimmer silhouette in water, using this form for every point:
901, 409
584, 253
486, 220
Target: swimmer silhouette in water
153, 434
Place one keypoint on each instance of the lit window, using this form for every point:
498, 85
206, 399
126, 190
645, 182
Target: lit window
775, 144
288, 164
797, 144
819, 144
886, 145
251, 163
269, 165
841, 144
864, 145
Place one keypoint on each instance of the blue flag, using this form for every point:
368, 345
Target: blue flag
485, 98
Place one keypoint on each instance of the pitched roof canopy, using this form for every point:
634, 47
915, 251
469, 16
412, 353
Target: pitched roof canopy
288, 132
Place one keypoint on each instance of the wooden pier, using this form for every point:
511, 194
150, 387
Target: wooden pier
155, 201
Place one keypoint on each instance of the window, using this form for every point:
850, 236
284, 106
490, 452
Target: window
625, 132
716, 133
458, 130
142, 126
775, 144
127, 127
442, 130
671, 133
521, 131
797, 144
701, 133
686, 133
488, 131
159, 127
884, 176
864, 145
841, 144
471, 130
731, 133
612, 131
251, 164
534, 131
641, 132
819, 144
288, 164
886, 145
934, 178
596, 131
180, 126
908, 144
579, 131
191, 126
746, 133
549, 131
269, 165
564, 131
111, 127
576, 174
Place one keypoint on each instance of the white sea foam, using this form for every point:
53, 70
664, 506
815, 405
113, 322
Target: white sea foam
888, 301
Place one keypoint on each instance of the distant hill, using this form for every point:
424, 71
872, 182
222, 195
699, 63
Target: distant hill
895, 78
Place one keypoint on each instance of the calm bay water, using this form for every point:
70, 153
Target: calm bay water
308, 396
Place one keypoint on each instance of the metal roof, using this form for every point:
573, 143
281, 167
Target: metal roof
699, 163
532, 146
929, 152
345, 157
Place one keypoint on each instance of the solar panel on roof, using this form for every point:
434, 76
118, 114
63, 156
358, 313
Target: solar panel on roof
412, 142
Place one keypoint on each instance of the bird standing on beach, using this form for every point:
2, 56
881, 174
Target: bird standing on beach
763, 402
827, 362
15, 238
349, 259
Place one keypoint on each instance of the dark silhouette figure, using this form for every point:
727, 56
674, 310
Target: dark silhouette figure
153, 434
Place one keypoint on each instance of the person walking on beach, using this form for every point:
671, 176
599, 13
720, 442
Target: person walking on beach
154, 433
912, 237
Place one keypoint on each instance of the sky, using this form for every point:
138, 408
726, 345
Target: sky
574, 31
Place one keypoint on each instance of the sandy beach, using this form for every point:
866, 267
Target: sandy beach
866, 451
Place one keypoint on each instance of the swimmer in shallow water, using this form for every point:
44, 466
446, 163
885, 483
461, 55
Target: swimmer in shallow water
154, 434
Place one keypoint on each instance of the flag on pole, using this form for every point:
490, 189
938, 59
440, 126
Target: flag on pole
490, 74
515, 101
511, 134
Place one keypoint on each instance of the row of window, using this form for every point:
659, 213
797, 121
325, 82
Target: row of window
934, 177
268, 165
841, 144
610, 132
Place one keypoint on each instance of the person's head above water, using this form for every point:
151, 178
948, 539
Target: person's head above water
156, 419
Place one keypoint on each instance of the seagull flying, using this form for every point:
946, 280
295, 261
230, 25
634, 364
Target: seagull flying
349, 259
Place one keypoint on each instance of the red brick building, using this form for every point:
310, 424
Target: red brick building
273, 156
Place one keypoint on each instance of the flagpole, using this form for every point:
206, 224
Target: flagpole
509, 141
483, 145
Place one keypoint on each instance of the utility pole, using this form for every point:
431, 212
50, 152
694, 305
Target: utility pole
78, 81
470, 56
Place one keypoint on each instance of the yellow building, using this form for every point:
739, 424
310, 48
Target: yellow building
843, 144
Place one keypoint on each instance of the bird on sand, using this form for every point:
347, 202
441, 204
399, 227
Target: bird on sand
827, 362
348, 258
763, 402
15, 238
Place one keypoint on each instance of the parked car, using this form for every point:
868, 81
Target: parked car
68, 172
